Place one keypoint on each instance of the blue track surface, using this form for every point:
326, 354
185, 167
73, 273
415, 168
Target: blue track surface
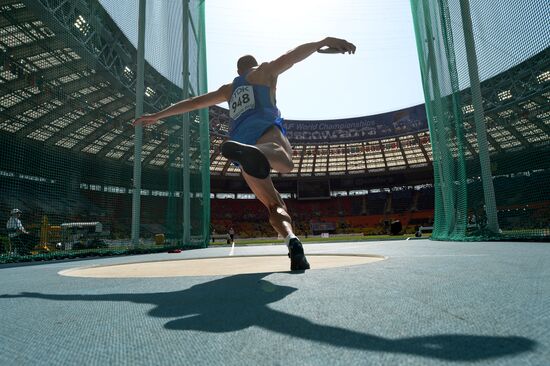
429, 303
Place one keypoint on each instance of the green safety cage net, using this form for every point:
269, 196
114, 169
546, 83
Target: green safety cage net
175, 46
68, 81
486, 76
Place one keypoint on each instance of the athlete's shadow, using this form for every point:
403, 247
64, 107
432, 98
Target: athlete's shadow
238, 302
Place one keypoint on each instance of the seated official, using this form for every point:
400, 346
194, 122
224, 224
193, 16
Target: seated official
21, 241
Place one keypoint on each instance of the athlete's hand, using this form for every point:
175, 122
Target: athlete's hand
337, 45
146, 119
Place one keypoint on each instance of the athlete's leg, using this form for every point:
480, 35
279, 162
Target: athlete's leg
279, 218
270, 197
276, 148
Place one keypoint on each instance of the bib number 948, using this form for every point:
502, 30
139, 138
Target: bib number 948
241, 101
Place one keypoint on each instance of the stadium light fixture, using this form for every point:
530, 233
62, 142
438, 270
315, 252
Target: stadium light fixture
543, 77
504, 95
467, 109
81, 24
128, 72
531, 106
505, 113
149, 92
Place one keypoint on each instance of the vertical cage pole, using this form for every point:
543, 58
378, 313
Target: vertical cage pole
138, 130
479, 119
186, 129
204, 129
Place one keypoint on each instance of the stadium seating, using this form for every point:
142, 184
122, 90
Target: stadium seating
249, 218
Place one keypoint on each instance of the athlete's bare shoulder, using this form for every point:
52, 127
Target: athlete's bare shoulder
260, 75
263, 65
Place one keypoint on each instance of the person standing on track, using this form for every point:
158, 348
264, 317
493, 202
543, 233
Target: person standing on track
257, 136
232, 235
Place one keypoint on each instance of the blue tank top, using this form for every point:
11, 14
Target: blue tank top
251, 102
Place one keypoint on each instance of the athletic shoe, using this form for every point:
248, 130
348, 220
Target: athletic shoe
249, 157
298, 259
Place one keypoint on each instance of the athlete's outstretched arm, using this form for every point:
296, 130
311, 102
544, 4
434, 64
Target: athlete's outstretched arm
187, 105
301, 52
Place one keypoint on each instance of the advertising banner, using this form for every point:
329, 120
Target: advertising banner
404, 121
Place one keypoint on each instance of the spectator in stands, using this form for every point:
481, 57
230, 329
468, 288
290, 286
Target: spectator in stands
20, 240
257, 136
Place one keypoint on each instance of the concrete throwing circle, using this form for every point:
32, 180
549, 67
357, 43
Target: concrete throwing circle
217, 266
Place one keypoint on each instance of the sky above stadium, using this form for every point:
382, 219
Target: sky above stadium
382, 76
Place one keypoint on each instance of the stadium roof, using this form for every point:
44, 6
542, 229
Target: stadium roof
67, 80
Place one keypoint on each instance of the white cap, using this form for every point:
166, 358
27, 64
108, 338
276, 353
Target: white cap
15, 211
